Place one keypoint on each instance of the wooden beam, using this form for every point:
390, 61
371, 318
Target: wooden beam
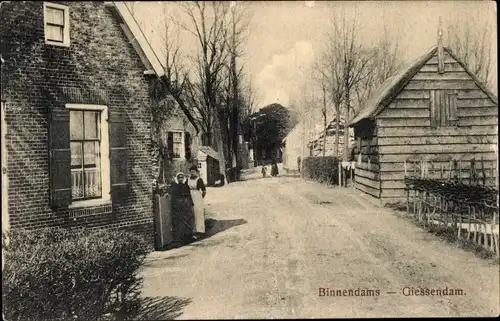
452, 75
400, 158
478, 121
427, 131
441, 84
444, 139
448, 67
398, 122
435, 149
410, 103
477, 111
413, 94
404, 113
472, 94
481, 102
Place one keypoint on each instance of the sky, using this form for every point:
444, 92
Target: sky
286, 36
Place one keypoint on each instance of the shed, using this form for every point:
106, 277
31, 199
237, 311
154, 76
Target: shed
208, 164
318, 143
433, 109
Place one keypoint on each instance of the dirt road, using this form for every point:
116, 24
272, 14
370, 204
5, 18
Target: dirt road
279, 240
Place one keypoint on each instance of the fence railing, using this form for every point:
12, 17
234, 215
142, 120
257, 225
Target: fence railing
466, 203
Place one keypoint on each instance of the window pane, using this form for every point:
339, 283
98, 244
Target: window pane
91, 120
177, 149
55, 16
54, 33
92, 179
91, 154
76, 154
177, 137
77, 184
76, 124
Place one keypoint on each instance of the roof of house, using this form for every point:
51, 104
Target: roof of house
137, 37
142, 46
393, 85
209, 151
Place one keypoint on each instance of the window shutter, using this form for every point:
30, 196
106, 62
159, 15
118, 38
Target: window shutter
60, 158
118, 156
443, 104
435, 109
452, 107
187, 144
170, 145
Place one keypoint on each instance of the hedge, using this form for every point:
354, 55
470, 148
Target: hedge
60, 274
322, 169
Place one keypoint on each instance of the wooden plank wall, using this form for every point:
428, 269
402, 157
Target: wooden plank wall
404, 132
367, 169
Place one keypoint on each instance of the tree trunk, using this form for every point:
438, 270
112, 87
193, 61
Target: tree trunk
337, 129
220, 147
324, 121
346, 129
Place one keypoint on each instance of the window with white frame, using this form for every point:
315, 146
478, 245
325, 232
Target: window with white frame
56, 21
89, 143
179, 144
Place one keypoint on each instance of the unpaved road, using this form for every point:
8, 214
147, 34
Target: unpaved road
281, 239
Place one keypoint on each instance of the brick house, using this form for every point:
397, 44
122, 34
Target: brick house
76, 123
181, 137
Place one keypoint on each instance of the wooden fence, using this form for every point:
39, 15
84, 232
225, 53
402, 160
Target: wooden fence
465, 203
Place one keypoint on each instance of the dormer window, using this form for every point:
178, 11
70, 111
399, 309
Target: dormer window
56, 21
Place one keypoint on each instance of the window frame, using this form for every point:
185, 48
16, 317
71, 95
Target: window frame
66, 26
104, 152
182, 155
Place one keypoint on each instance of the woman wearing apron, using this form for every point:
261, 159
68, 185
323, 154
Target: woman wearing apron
198, 192
182, 210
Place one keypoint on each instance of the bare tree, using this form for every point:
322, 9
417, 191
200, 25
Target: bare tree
238, 26
354, 70
385, 59
347, 67
329, 68
214, 91
470, 40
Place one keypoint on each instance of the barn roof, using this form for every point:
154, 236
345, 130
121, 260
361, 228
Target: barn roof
209, 151
393, 85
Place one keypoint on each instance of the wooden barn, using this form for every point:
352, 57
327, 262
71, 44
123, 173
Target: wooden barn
434, 109
319, 143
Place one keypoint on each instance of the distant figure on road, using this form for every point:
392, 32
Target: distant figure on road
298, 163
198, 192
274, 169
182, 210
264, 171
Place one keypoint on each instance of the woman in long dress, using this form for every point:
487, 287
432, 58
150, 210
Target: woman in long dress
274, 169
182, 210
198, 192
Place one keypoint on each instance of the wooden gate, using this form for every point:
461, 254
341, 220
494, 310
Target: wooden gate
163, 220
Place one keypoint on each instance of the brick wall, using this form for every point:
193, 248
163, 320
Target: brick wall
99, 66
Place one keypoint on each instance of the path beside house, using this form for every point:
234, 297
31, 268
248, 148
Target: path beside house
281, 239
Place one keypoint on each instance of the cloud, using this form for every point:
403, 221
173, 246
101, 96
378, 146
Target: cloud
278, 81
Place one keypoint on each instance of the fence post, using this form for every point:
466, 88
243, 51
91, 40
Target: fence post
340, 172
